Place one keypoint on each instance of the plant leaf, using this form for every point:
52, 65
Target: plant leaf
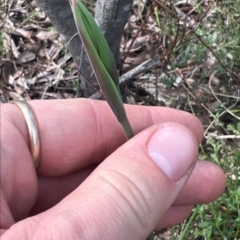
102, 61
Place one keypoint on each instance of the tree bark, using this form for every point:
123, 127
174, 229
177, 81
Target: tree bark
60, 14
111, 16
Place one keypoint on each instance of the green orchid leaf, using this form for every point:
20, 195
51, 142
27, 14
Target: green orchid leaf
102, 61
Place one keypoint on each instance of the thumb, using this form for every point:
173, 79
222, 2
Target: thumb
126, 196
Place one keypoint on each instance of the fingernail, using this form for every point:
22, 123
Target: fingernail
174, 149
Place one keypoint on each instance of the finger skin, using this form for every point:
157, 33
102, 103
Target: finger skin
90, 146
74, 134
18, 176
206, 183
204, 172
51, 190
77, 133
174, 216
123, 198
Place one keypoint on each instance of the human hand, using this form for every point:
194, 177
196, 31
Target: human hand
90, 183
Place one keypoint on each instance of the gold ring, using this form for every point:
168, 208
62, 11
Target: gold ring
33, 131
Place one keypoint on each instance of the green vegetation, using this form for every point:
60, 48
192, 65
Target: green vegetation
220, 219
102, 62
1, 43
204, 47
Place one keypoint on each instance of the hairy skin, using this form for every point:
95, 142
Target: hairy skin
88, 176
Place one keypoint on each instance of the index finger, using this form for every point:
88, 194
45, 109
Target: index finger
76, 133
